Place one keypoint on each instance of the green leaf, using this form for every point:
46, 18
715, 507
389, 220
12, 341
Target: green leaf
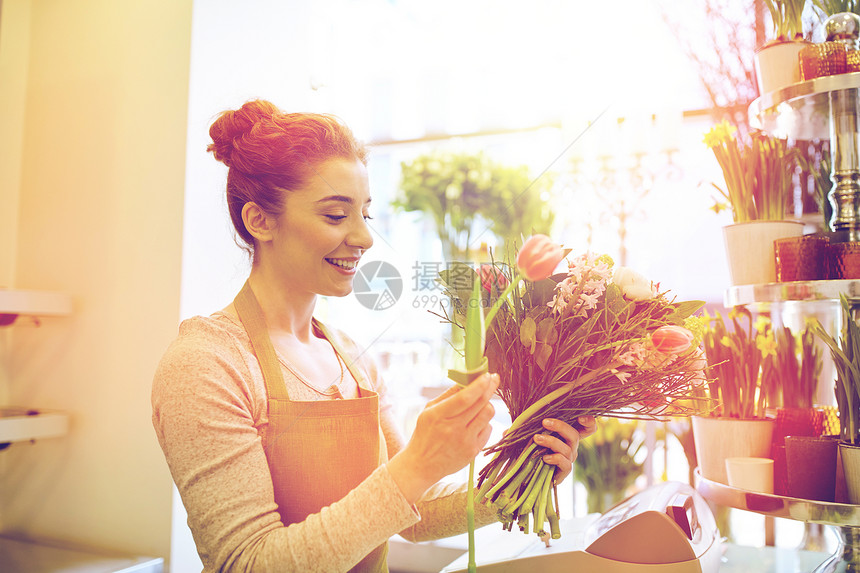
474, 344
686, 309
528, 333
542, 355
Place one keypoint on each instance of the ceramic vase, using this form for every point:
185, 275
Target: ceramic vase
718, 438
777, 64
850, 455
792, 422
811, 467
750, 249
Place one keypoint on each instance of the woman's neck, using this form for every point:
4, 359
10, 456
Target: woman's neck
285, 312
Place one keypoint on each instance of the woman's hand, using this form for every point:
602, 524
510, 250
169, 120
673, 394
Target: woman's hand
564, 448
450, 431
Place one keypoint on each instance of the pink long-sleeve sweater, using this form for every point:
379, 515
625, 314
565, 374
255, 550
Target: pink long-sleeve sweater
210, 416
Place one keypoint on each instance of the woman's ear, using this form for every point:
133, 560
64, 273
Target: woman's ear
257, 222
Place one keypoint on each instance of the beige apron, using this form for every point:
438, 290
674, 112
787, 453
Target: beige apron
317, 451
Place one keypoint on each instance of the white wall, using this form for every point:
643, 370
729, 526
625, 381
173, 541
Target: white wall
91, 201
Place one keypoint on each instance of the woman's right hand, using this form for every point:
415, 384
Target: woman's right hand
450, 431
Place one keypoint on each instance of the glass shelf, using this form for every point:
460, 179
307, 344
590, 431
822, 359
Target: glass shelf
797, 291
801, 110
844, 518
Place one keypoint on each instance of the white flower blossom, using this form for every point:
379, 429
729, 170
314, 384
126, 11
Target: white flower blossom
633, 285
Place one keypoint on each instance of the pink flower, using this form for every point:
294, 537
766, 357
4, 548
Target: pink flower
671, 339
539, 257
491, 276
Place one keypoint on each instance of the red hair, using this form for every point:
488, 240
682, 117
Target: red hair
269, 152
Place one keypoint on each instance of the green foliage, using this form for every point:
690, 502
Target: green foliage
831, 7
734, 360
758, 174
790, 367
458, 190
606, 463
846, 357
787, 17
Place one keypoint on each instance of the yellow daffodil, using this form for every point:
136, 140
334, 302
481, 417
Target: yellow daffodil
766, 344
720, 133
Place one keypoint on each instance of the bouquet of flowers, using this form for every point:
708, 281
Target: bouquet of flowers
596, 340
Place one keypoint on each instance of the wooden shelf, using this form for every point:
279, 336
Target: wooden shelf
25, 424
15, 303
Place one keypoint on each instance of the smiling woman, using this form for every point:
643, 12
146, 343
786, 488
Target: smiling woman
277, 430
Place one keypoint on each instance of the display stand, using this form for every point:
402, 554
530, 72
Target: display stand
822, 108
843, 518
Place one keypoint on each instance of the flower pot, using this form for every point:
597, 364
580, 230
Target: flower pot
801, 258
844, 260
811, 467
751, 474
850, 455
792, 422
777, 64
823, 59
719, 438
750, 250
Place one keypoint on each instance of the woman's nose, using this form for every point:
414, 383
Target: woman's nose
360, 235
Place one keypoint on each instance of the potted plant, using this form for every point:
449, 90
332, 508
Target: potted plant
758, 187
777, 62
846, 357
609, 462
791, 366
738, 427
842, 26
466, 194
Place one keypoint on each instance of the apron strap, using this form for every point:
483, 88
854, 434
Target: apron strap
347, 359
254, 322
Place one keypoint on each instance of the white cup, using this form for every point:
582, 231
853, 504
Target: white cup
751, 474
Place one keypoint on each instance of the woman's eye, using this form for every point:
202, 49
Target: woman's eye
336, 217
367, 217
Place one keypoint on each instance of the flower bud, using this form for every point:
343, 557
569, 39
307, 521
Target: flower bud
491, 276
539, 257
671, 339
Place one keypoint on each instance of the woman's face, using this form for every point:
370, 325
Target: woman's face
322, 232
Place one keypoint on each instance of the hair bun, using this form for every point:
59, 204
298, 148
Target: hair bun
229, 128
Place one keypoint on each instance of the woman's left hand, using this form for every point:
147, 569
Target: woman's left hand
564, 447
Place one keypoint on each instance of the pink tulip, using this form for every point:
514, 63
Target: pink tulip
539, 257
491, 276
671, 339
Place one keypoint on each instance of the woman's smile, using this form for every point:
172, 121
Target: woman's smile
346, 266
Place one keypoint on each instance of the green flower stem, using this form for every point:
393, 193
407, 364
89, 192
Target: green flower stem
513, 487
534, 490
470, 518
523, 523
540, 504
552, 514
561, 391
488, 482
512, 506
510, 474
501, 300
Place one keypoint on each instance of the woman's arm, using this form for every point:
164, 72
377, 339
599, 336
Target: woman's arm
443, 506
207, 415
